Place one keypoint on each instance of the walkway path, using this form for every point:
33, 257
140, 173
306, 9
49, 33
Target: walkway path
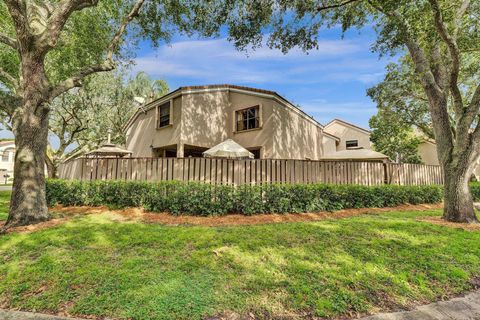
464, 308
19, 315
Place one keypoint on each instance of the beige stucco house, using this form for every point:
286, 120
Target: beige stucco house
349, 135
190, 120
353, 137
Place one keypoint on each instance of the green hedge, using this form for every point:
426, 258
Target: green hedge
204, 199
475, 189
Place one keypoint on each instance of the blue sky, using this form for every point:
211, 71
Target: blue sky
327, 83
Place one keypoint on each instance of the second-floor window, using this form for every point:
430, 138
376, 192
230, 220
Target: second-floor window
164, 115
248, 118
351, 143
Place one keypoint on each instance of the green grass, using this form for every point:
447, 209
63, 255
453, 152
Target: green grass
98, 265
4, 201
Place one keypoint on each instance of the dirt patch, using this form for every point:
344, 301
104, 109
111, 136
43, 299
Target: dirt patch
439, 221
59, 215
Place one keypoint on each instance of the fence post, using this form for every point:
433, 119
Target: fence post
385, 173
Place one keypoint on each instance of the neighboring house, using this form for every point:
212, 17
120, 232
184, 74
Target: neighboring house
190, 120
7, 152
349, 135
427, 150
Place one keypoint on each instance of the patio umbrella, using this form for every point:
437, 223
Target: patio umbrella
109, 150
228, 149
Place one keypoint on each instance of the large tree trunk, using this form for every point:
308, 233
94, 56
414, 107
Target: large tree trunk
30, 126
457, 196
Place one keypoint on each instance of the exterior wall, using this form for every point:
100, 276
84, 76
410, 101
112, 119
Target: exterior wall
346, 132
428, 153
204, 119
262, 137
143, 133
329, 145
294, 137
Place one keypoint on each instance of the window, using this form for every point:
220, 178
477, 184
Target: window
164, 114
248, 118
351, 143
6, 154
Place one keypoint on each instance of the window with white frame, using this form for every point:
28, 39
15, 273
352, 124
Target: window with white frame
248, 118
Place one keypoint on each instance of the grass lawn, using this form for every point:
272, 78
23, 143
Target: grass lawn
4, 201
100, 265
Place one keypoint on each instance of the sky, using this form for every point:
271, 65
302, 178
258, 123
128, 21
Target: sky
327, 83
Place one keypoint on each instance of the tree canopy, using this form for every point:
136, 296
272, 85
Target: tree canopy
49, 47
80, 120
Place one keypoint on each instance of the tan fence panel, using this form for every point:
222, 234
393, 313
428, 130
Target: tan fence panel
261, 171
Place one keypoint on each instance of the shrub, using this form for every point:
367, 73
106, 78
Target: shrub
205, 199
475, 189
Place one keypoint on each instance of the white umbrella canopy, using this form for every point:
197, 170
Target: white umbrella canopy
228, 149
109, 150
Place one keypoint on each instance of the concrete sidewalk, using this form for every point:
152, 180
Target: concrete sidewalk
20, 315
464, 308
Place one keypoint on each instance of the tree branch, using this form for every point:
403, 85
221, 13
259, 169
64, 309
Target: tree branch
11, 42
337, 5
4, 74
59, 16
107, 65
9, 102
437, 98
451, 42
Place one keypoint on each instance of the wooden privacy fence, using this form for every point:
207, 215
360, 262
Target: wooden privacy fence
239, 172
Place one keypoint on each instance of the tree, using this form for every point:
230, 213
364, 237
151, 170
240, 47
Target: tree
49, 47
394, 138
440, 37
401, 98
81, 119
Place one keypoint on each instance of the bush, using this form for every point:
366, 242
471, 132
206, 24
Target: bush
205, 199
475, 189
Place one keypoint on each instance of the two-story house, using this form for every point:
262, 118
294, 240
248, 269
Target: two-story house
190, 120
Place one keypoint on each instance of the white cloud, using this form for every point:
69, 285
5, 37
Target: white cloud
214, 61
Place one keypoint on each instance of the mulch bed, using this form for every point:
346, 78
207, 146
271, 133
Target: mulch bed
440, 222
63, 214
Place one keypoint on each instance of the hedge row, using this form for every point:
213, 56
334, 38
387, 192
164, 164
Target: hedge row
204, 199
475, 189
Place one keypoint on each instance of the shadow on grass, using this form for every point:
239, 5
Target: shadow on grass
93, 266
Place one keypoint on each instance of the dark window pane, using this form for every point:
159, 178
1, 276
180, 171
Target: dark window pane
351, 143
251, 123
164, 119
